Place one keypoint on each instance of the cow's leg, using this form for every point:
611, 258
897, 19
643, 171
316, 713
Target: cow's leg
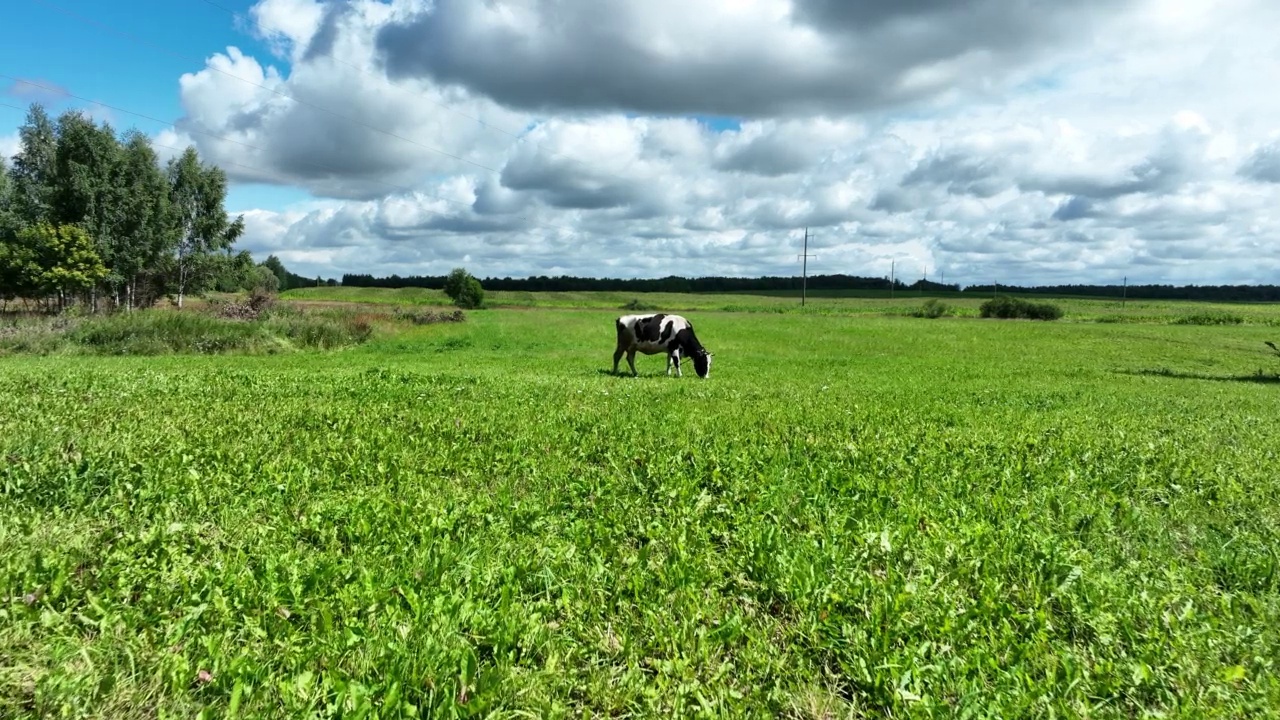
631, 360
669, 356
617, 355
675, 358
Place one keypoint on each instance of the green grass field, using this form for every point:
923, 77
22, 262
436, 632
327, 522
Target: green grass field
818, 303
858, 515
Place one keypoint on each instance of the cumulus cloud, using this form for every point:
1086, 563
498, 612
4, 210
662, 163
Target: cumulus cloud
988, 139
332, 125
1263, 165
732, 57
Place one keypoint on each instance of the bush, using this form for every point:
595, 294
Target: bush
1006, 307
933, 308
259, 302
430, 318
463, 289
636, 304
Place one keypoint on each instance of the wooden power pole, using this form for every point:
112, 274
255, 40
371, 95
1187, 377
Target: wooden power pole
804, 277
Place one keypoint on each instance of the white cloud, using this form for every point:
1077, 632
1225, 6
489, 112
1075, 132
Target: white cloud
288, 24
9, 145
1012, 143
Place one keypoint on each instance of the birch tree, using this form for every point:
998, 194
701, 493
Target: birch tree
84, 188
197, 193
142, 230
33, 167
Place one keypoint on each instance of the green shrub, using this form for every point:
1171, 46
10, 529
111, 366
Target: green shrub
463, 289
429, 317
638, 305
1007, 307
933, 308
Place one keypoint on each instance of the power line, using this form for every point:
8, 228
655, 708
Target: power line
422, 96
153, 143
261, 171
357, 68
130, 36
166, 123
482, 123
180, 56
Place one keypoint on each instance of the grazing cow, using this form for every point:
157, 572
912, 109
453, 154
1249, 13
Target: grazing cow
660, 333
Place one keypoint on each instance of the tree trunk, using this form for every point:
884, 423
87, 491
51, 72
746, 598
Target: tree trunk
182, 281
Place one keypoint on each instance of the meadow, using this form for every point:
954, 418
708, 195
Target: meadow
860, 514
838, 303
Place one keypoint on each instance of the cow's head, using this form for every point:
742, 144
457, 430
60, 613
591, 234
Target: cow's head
702, 363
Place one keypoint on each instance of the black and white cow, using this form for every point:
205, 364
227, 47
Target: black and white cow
660, 333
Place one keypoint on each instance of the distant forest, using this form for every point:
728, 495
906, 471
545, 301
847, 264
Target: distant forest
542, 283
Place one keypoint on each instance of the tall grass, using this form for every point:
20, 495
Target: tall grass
163, 331
1209, 317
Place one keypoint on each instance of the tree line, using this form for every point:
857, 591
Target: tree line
715, 284
1206, 293
672, 284
92, 217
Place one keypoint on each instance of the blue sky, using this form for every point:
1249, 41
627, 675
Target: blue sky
126, 54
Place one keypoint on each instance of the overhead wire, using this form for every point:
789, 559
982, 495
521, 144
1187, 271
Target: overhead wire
357, 68
418, 95
287, 96
261, 172
312, 105
132, 37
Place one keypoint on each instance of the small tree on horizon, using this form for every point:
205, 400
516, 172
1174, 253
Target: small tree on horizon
464, 289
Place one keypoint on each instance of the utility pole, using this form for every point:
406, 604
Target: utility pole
892, 277
804, 278
1125, 297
